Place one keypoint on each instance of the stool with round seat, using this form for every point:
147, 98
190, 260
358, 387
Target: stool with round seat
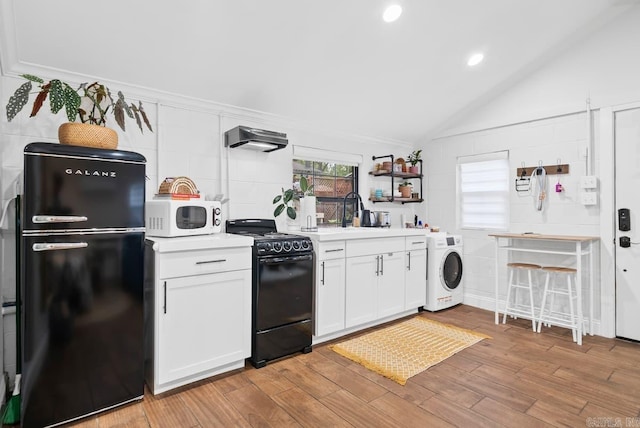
516, 308
550, 312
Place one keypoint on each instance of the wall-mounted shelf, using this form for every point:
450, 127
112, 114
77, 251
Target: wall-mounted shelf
394, 199
401, 175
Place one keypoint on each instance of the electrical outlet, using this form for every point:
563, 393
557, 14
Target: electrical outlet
589, 198
589, 182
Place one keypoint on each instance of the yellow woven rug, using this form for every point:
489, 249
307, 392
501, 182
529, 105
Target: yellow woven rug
408, 348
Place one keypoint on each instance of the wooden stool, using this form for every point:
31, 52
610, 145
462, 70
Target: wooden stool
550, 316
517, 309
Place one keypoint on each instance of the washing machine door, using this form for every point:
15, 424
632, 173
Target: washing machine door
451, 270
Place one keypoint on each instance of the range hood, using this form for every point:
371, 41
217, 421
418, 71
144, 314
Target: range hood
255, 139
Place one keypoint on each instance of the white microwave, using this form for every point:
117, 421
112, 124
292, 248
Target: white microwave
171, 217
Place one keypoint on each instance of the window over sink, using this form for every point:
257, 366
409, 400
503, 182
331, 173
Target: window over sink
331, 182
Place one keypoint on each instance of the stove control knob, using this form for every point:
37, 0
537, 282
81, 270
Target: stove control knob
305, 245
277, 247
263, 247
296, 245
286, 246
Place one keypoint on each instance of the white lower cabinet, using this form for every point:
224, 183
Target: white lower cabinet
362, 286
375, 279
415, 279
201, 324
416, 272
329, 287
391, 288
361, 281
198, 315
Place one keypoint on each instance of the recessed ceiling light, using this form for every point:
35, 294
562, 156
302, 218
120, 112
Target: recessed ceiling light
392, 13
475, 59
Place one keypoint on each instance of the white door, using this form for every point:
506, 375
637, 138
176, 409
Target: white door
627, 182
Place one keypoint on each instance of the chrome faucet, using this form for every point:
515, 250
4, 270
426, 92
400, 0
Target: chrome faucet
344, 207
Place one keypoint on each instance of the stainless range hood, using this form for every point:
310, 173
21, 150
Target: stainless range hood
255, 139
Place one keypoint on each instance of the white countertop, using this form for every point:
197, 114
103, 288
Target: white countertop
200, 242
344, 233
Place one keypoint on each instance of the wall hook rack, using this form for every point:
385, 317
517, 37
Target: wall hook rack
557, 169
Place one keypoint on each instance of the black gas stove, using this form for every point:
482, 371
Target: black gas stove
282, 290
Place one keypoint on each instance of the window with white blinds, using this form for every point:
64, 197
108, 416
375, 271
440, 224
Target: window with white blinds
483, 191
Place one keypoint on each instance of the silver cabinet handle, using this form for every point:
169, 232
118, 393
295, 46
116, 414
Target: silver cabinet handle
322, 280
164, 307
377, 265
334, 251
58, 218
381, 265
46, 246
409, 257
417, 242
204, 262
426, 276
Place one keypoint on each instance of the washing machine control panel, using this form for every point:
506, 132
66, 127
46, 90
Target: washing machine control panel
448, 241
453, 240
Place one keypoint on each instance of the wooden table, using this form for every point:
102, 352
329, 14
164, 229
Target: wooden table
583, 246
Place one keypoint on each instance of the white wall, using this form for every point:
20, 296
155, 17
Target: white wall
548, 141
542, 118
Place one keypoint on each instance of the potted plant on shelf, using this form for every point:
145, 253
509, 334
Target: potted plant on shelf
405, 189
413, 159
89, 102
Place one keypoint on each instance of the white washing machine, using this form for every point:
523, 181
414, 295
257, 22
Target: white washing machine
444, 271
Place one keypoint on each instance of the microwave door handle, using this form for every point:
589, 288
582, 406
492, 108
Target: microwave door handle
58, 218
54, 246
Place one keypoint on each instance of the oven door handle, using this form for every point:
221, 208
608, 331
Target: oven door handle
54, 246
275, 260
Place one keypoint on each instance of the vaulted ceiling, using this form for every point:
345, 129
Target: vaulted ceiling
332, 63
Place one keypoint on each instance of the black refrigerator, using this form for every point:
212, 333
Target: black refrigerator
81, 281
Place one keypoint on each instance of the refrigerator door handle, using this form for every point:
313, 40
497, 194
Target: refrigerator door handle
47, 246
58, 218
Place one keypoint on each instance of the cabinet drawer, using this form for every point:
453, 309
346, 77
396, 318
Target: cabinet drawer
185, 263
330, 250
363, 247
416, 242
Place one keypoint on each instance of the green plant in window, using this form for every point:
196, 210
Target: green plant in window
285, 203
304, 186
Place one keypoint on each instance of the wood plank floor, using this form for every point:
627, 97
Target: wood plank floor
516, 378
